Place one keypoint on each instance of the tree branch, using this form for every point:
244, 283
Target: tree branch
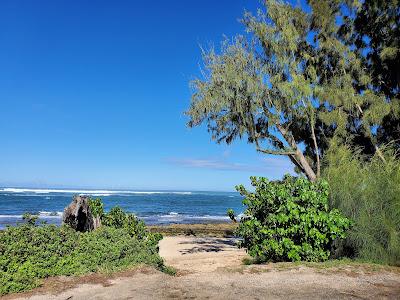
275, 152
316, 150
296, 162
379, 152
298, 156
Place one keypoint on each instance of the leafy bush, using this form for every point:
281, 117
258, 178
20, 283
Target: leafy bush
231, 215
119, 219
29, 218
29, 253
289, 220
369, 193
96, 207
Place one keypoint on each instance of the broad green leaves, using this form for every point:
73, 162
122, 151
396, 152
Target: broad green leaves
29, 253
289, 220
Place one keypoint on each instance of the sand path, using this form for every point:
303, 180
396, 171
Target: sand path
211, 268
200, 255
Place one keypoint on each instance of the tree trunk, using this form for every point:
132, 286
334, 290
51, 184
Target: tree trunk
316, 150
308, 171
298, 157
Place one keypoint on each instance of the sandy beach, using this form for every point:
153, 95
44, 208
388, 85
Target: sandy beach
212, 268
144, 142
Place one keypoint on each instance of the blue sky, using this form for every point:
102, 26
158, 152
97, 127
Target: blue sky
92, 94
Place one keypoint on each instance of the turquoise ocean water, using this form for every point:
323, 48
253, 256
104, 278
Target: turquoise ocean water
154, 207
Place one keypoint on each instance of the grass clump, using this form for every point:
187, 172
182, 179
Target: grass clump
29, 253
367, 191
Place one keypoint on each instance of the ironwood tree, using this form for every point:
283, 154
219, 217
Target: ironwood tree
291, 80
375, 33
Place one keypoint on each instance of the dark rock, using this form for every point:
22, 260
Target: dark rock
78, 215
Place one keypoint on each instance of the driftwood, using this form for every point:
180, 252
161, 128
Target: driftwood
79, 216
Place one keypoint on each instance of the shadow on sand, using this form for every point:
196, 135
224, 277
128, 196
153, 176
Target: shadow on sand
209, 245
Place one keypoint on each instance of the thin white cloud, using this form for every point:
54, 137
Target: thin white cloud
226, 153
277, 161
269, 164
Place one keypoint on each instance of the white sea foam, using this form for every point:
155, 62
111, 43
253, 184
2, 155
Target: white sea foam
50, 213
41, 215
87, 192
181, 217
10, 216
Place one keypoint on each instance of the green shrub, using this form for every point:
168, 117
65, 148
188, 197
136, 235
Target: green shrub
289, 220
29, 253
231, 215
96, 207
29, 218
119, 219
368, 191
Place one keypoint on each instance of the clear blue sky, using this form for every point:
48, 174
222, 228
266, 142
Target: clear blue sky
92, 94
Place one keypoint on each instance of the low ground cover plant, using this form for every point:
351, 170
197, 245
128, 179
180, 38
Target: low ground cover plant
289, 220
29, 253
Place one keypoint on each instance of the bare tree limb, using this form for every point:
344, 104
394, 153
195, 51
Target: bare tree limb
316, 150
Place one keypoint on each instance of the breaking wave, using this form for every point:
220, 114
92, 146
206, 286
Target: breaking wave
40, 214
87, 192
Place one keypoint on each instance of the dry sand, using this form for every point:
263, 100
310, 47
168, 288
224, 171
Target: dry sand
211, 268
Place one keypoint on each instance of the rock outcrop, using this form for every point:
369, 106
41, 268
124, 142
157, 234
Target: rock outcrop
79, 216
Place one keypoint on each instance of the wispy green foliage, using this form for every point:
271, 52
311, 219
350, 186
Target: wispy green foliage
289, 81
375, 31
369, 193
289, 220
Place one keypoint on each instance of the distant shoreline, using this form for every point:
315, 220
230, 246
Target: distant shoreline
153, 207
217, 223
217, 229
224, 229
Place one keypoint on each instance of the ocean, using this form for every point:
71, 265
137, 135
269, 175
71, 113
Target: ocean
153, 207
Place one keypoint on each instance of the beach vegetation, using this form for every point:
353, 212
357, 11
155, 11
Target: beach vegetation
118, 218
289, 220
291, 84
96, 207
374, 32
30, 218
29, 253
231, 215
368, 192
320, 86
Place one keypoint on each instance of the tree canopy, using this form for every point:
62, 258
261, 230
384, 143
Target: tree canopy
375, 32
293, 79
